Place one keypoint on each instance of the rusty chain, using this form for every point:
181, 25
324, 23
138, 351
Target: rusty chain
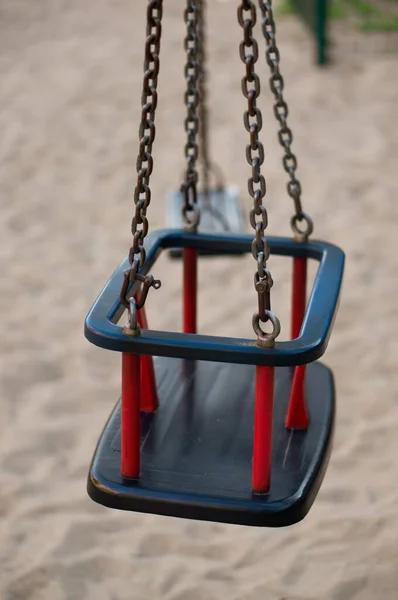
147, 131
208, 167
195, 96
190, 208
281, 112
252, 118
202, 87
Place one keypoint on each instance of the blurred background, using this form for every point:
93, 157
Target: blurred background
71, 78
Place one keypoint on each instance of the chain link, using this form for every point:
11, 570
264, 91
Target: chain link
208, 167
203, 110
281, 112
190, 209
252, 118
142, 193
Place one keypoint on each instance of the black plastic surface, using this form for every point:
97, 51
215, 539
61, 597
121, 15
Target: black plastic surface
196, 450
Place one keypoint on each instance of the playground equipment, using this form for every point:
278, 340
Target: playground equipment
314, 14
217, 428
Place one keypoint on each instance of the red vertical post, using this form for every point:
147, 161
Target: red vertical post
190, 283
263, 426
149, 398
297, 414
130, 425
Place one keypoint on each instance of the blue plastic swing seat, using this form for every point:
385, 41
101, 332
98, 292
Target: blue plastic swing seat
196, 450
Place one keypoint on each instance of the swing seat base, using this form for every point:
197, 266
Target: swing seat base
221, 213
196, 450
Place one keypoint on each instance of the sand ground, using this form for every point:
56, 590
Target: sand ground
70, 75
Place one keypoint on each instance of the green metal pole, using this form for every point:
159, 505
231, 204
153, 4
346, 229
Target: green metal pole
321, 32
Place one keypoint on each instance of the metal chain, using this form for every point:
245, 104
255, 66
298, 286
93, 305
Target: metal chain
142, 193
204, 143
204, 154
190, 208
203, 112
252, 119
285, 134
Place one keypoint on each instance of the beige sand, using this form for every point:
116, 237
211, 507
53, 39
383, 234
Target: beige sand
70, 91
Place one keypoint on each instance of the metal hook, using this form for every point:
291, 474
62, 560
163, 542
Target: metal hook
266, 340
132, 327
148, 281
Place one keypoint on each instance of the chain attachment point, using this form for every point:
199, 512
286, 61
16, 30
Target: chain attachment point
132, 275
252, 120
263, 287
190, 209
132, 327
302, 235
266, 340
144, 165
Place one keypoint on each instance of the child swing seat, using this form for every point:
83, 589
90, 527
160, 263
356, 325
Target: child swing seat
196, 449
216, 428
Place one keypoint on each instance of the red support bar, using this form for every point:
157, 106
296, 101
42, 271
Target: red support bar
141, 317
130, 426
149, 398
297, 414
190, 280
299, 295
263, 425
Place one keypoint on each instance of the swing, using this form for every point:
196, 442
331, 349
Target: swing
216, 428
